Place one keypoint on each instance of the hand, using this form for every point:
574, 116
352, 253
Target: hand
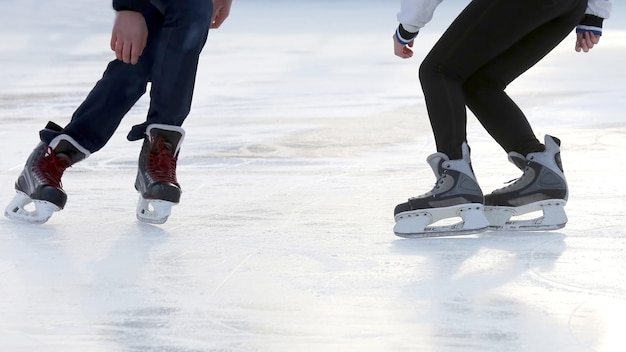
129, 36
402, 50
585, 41
221, 10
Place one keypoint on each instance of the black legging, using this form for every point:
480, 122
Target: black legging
487, 46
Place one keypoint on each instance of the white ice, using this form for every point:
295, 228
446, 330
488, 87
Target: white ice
304, 134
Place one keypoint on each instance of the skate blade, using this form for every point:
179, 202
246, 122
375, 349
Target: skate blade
16, 210
153, 211
416, 224
553, 217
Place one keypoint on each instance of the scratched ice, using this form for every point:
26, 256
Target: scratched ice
304, 134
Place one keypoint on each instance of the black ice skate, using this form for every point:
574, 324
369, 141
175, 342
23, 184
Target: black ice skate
542, 187
40, 181
455, 195
156, 177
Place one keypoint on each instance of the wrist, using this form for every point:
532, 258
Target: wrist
403, 36
130, 5
590, 23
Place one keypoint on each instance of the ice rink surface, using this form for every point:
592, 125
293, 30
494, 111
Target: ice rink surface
305, 132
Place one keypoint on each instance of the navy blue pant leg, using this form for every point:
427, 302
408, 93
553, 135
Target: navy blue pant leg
177, 34
182, 37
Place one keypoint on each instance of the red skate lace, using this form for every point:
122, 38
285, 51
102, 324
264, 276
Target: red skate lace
162, 163
50, 168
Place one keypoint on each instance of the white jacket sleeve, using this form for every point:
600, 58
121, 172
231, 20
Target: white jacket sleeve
600, 8
597, 11
414, 14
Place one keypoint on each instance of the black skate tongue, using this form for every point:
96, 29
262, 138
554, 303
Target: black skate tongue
64, 158
519, 162
170, 138
67, 151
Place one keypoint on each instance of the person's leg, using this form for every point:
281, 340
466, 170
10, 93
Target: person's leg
542, 186
121, 85
173, 75
183, 35
482, 32
484, 90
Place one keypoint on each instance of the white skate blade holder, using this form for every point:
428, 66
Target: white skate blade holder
18, 209
503, 218
153, 211
417, 223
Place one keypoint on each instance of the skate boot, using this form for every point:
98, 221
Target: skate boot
156, 176
542, 187
40, 181
455, 195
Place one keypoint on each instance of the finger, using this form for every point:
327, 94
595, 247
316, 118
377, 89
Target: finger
403, 54
135, 52
581, 42
593, 39
584, 46
399, 51
587, 38
215, 18
126, 49
119, 46
596, 39
219, 16
590, 42
113, 41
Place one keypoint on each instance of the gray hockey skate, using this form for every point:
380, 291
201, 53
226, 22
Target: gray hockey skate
156, 179
541, 188
39, 184
455, 195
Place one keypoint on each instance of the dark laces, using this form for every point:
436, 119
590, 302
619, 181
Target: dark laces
51, 167
161, 162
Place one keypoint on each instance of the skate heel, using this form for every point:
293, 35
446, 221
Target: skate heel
153, 211
542, 188
422, 223
507, 218
412, 225
16, 210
